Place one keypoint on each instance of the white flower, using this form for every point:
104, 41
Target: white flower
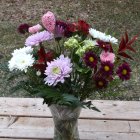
38, 73
26, 50
21, 60
102, 36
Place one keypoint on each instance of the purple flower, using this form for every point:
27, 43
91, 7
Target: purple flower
59, 32
107, 68
37, 38
124, 71
90, 59
57, 70
101, 82
106, 46
59, 29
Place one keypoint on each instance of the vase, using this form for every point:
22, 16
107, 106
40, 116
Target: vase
65, 122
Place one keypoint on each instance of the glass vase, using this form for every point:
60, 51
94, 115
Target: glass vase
65, 122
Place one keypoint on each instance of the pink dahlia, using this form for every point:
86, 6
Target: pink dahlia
107, 56
37, 38
48, 21
57, 70
35, 28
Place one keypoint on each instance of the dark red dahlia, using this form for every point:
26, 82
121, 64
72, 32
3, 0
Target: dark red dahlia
70, 29
83, 27
50, 56
61, 23
124, 71
23, 28
40, 67
105, 45
90, 59
43, 57
101, 82
107, 68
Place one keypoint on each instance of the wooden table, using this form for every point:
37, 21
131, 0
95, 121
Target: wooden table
28, 119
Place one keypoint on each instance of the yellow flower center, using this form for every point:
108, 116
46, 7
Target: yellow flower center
23, 61
124, 72
91, 59
56, 70
100, 83
106, 68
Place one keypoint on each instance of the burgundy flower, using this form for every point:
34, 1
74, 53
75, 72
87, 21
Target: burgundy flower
50, 56
107, 68
40, 67
43, 57
61, 23
83, 27
105, 45
23, 28
70, 29
90, 59
124, 71
100, 82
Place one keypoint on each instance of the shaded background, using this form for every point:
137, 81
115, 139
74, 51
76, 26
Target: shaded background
116, 16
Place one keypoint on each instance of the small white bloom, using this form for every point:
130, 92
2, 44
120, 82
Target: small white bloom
102, 36
38, 73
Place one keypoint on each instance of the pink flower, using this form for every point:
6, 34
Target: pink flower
48, 21
107, 56
35, 29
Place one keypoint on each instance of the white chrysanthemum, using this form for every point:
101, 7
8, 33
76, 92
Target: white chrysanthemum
26, 50
21, 62
102, 36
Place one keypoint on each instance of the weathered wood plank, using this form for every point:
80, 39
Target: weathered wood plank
84, 124
117, 110
16, 139
83, 136
40, 128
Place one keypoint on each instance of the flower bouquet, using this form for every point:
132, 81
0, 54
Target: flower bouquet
65, 62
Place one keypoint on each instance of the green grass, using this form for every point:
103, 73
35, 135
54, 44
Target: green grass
112, 15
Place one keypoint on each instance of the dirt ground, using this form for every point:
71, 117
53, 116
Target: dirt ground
116, 16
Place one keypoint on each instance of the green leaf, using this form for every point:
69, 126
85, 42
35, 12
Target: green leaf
82, 70
90, 106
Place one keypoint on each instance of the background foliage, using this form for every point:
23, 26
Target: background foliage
116, 16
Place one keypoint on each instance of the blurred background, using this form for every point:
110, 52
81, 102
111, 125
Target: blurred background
114, 16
